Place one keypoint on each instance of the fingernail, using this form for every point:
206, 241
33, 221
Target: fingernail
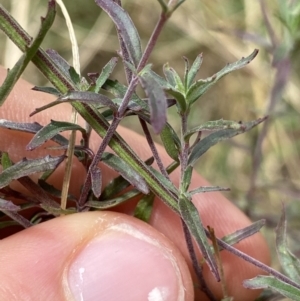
124, 264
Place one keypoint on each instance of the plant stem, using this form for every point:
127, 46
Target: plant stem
153, 148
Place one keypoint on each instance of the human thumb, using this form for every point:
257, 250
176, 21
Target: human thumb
92, 256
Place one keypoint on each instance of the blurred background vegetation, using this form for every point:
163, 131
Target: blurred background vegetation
261, 167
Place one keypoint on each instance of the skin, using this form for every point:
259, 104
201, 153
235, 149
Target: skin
39, 263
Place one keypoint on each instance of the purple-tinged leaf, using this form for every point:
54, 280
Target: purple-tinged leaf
126, 171
96, 177
190, 215
28, 167
241, 234
157, 101
90, 98
114, 201
51, 130
39, 196
203, 145
117, 185
289, 262
18, 218
8, 205
30, 128
201, 86
60, 62
283, 288
125, 27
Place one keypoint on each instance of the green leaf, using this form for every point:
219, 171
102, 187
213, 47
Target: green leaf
119, 165
261, 282
50, 130
49, 90
170, 141
213, 126
119, 91
125, 27
5, 160
289, 262
186, 180
15, 73
173, 78
203, 145
144, 208
105, 73
203, 189
113, 202
193, 71
203, 85
27, 167
191, 217
180, 99
157, 101
89, 97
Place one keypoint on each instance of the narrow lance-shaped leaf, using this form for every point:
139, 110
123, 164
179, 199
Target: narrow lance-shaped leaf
50, 130
119, 165
27, 167
173, 78
170, 141
125, 27
124, 197
157, 101
15, 73
8, 205
96, 177
105, 73
285, 289
241, 234
193, 71
60, 63
203, 145
30, 128
203, 189
202, 86
213, 125
191, 217
289, 262
117, 185
90, 98
49, 90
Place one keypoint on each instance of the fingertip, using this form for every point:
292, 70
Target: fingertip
93, 255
